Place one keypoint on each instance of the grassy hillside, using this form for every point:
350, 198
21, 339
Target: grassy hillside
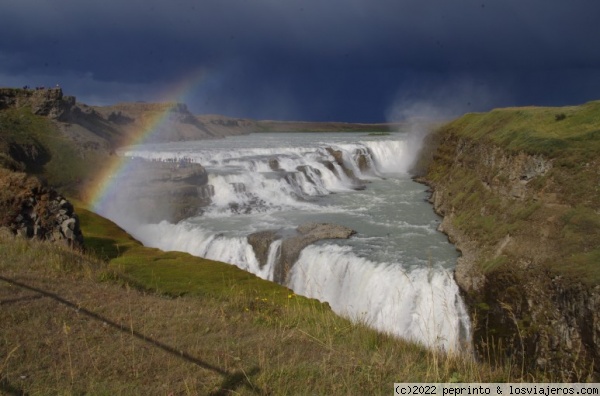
128, 319
564, 202
520, 192
568, 135
36, 145
552, 131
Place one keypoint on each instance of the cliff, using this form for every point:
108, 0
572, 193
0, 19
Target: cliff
152, 191
518, 189
44, 102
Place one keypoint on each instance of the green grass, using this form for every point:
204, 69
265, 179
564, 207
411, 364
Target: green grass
560, 209
153, 322
59, 160
573, 143
535, 129
170, 273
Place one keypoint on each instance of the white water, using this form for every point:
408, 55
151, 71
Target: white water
395, 274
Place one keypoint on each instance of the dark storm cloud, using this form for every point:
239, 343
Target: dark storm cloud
335, 59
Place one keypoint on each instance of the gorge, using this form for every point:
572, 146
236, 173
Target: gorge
518, 190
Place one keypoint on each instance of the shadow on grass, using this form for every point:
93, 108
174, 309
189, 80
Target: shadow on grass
16, 300
236, 380
231, 380
104, 248
10, 389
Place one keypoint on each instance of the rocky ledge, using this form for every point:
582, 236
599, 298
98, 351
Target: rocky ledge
292, 244
156, 191
44, 102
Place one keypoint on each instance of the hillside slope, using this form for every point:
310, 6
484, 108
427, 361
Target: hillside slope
519, 190
136, 320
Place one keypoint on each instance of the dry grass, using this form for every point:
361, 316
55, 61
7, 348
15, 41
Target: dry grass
65, 332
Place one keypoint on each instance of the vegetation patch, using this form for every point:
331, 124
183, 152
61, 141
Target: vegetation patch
35, 144
559, 206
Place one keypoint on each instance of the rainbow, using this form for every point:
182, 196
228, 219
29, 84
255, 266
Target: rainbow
99, 189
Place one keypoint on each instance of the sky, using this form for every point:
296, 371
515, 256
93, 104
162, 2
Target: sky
314, 60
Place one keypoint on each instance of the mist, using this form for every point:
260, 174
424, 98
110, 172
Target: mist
423, 110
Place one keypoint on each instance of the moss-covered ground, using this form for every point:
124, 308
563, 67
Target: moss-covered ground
561, 208
35, 145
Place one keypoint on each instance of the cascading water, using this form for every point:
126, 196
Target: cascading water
394, 274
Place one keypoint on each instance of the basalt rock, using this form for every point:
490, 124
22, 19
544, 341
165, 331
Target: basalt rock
363, 160
338, 157
162, 190
32, 210
293, 244
307, 234
260, 242
274, 164
42, 101
309, 172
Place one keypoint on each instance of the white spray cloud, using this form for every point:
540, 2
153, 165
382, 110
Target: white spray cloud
421, 110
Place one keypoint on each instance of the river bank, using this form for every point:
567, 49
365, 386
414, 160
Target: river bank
518, 189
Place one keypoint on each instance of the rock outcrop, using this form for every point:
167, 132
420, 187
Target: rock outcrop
106, 128
293, 244
44, 102
153, 191
32, 210
260, 242
338, 158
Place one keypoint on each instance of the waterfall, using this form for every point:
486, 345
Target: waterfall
395, 275
420, 304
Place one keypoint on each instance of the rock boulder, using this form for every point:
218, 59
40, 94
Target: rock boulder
32, 210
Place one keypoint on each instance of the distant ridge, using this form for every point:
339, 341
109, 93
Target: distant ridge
109, 127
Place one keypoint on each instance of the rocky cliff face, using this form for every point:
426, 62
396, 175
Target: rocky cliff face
108, 127
45, 102
31, 210
508, 214
153, 191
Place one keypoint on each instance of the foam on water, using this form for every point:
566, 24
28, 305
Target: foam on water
395, 275
420, 304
